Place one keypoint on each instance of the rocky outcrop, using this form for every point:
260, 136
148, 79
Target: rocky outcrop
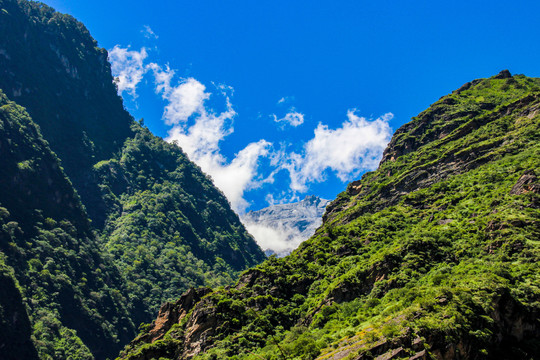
172, 313
528, 182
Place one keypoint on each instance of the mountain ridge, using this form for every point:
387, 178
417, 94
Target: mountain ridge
431, 256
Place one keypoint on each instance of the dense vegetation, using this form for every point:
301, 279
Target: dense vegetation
73, 294
51, 65
434, 255
169, 228
78, 274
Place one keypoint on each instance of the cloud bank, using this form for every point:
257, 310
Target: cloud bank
280, 239
346, 151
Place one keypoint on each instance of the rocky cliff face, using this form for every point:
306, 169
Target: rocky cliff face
279, 229
432, 256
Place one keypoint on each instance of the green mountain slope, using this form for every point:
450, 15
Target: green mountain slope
169, 228
147, 226
434, 255
73, 294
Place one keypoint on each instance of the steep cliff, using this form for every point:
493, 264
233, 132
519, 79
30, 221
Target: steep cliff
51, 65
434, 255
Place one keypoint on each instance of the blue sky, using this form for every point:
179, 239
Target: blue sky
279, 99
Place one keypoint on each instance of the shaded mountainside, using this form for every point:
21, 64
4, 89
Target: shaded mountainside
434, 255
148, 223
58, 289
51, 65
280, 228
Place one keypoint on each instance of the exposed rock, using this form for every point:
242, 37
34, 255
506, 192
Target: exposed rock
172, 313
527, 182
355, 187
392, 354
505, 74
199, 330
445, 221
419, 355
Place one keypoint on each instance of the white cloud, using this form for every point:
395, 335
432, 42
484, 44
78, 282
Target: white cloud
346, 151
148, 32
127, 68
293, 118
201, 136
355, 147
280, 239
185, 100
162, 77
240, 174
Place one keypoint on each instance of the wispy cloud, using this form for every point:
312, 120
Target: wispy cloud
148, 32
354, 147
292, 118
285, 100
127, 68
200, 137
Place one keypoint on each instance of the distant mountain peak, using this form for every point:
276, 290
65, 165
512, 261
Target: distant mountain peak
312, 199
280, 228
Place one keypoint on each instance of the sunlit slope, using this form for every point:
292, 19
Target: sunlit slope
434, 255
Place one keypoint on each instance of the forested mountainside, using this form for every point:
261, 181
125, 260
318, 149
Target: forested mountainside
280, 228
435, 255
51, 65
61, 296
169, 228
101, 221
